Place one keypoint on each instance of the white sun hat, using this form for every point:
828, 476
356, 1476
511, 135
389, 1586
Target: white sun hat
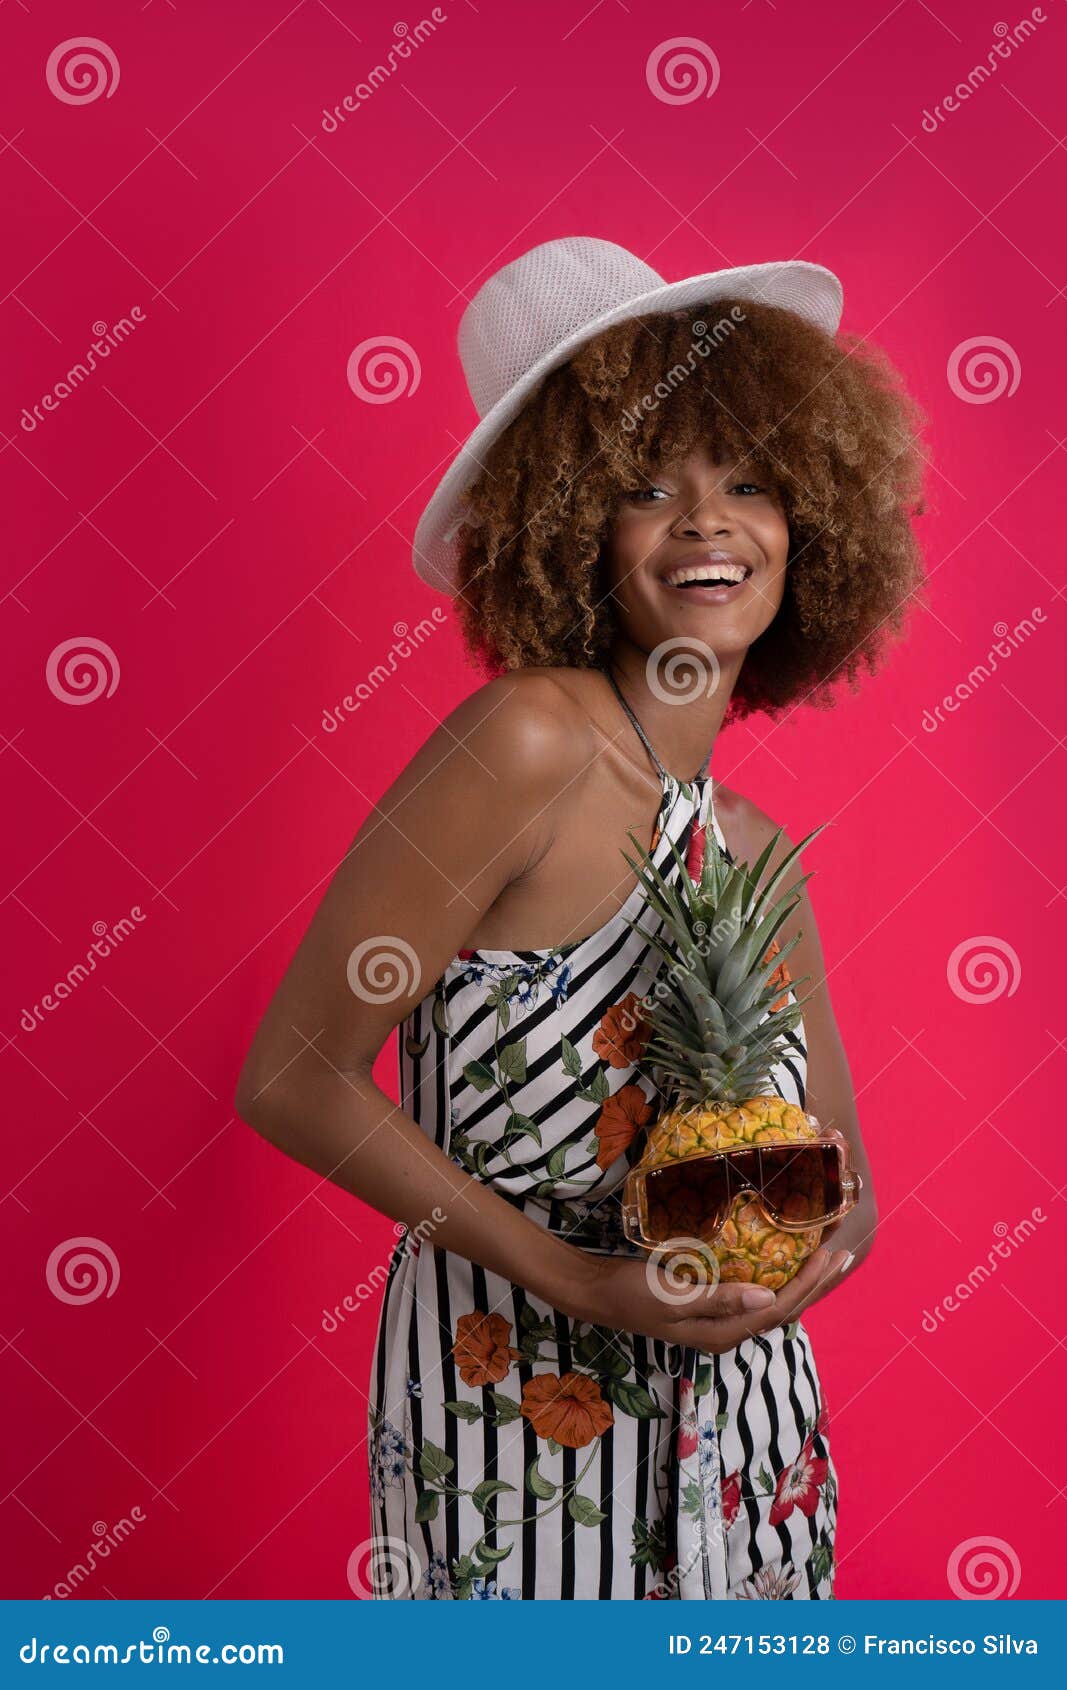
534, 314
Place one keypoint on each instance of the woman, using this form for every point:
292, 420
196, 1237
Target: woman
549, 1417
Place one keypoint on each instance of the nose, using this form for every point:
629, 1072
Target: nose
706, 519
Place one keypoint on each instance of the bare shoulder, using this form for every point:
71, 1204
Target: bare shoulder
748, 829
529, 722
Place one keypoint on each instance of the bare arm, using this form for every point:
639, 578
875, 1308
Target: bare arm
829, 1094
466, 816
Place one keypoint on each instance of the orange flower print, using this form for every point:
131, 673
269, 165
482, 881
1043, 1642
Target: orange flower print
481, 1349
570, 1409
622, 1034
780, 977
621, 1119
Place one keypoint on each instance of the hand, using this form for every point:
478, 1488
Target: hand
631, 1296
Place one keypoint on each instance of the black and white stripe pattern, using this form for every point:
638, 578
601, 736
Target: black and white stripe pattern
691, 1434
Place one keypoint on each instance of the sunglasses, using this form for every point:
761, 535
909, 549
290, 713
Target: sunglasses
797, 1186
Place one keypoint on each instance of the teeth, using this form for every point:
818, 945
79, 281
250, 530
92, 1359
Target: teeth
707, 572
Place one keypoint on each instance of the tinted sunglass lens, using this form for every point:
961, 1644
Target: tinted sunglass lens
800, 1182
688, 1200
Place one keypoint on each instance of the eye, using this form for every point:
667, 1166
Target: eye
752, 486
644, 495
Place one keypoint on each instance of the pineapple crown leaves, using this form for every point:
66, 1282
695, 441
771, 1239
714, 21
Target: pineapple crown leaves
712, 1033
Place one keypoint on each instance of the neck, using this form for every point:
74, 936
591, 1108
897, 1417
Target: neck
681, 719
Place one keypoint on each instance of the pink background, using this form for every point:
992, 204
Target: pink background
219, 508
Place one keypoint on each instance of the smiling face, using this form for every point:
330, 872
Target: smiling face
698, 521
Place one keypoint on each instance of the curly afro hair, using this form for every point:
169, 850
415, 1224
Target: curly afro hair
825, 419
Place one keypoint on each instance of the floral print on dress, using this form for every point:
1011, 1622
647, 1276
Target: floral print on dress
619, 1123
569, 1408
390, 1455
615, 1045
773, 1583
562, 1457
483, 1354
623, 1033
799, 1484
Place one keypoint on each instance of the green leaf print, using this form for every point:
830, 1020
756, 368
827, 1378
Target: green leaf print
597, 1091
553, 1447
633, 1399
791, 1329
479, 1075
765, 1479
599, 1350
572, 1062
507, 1409
426, 1507
512, 1061
468, 1411
582, 1509
463, 1570
416, 1047
537, 1484
521, 1126
822, 1560
439, 1014
557, 1162
433, 1462
483, 1494
693, 1500
532, 1326
487, 1552
650, 1546
702, 1380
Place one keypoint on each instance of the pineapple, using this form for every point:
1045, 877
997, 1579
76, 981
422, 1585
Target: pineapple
718, 1023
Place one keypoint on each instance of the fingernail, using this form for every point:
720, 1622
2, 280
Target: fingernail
757, 1297
848, 1261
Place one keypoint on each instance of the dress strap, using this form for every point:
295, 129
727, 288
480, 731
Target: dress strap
646, 742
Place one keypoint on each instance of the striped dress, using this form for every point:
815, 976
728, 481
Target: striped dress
515, 1453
